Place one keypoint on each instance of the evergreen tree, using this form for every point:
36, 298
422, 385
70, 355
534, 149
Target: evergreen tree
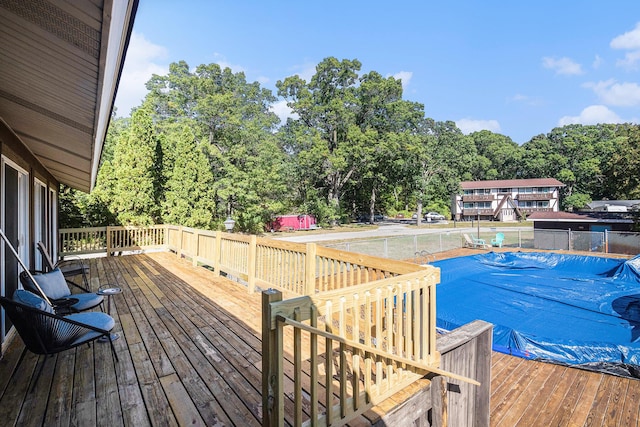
189, 197
134, 179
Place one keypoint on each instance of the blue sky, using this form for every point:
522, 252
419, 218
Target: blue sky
512, 67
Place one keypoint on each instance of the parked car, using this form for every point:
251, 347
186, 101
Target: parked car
433, 216
366, 217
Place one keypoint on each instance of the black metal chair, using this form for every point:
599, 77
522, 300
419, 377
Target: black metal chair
44, 332
57, 290
69, 268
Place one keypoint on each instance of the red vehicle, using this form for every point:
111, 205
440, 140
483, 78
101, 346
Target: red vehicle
292, 223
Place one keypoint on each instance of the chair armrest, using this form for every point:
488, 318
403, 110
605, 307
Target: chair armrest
62, 306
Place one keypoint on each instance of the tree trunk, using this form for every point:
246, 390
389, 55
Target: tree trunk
372, 205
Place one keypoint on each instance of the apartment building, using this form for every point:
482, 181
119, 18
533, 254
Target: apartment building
506, 200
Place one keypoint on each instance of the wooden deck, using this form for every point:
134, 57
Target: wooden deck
190, 354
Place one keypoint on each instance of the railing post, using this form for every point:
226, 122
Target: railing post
217, 255
108, 237
179, 246
196, 238
253, 259
272, 376
310, 269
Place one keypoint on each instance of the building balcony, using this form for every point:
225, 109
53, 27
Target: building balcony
535, 196
478, 198
531, 210
481, 212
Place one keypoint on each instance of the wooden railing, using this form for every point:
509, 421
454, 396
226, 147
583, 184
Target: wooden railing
352, 348
372, 320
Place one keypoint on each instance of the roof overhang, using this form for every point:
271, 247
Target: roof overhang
61, 64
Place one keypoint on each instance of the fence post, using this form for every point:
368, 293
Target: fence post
415, 243
606, 241
217, 253
253, 259
570, 245
310, 269
385, 249
272, 376
520, 238
108, 236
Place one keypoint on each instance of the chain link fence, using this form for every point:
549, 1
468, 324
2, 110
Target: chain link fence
420, 247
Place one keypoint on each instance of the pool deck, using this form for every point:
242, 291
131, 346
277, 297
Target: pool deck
190, 353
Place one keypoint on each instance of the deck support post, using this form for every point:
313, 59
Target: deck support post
272, 376
439, 402
310, 269
217, 255
253, 260
109, 242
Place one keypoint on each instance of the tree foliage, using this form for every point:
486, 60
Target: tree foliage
205, 145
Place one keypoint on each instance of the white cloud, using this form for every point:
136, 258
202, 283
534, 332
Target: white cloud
223, 63
629, 40
564, 65
283, 111
308, 71
597, 62
592, 115
527, 100
630, 61
618, 94
468, 126
405, 77
141, 62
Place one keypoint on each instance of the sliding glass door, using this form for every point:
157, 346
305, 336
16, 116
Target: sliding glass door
15, 224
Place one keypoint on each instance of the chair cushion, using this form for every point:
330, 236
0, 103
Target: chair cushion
96, 319
53, 284
86, 301
32, 300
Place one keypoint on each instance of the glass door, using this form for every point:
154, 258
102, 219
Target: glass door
15, 214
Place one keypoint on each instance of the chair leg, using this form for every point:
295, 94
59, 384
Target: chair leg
113, 349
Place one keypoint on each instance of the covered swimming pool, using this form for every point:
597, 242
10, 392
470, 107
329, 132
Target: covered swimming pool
578, 310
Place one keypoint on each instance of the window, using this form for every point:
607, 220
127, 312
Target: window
505, 190
40, 218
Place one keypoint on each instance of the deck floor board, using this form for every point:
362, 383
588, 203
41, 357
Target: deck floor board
190, 353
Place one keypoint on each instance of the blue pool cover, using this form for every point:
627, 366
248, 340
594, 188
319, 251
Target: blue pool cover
565, 308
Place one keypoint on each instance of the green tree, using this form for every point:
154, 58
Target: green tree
134, 180
434, 161
503, 154
326, 107
189, 197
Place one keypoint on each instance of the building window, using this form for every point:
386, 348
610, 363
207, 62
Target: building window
504, 190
